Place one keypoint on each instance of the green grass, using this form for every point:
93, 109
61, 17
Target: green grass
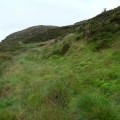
74, 77
93, 107
42, 85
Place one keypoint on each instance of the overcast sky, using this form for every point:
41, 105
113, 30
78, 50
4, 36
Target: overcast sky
19, 14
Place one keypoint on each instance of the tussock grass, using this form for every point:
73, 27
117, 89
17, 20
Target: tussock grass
74, 77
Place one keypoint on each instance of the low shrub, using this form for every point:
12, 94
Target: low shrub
7, 115
61, 49
94, 107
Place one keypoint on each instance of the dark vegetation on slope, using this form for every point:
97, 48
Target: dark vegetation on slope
102, 29
74, 76
29, 33
33, 35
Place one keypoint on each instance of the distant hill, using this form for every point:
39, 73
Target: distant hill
29, 32
32, 35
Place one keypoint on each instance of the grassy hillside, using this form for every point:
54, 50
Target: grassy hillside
75, 76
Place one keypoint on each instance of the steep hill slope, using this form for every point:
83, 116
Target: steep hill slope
29, 32
32, 35
74, 76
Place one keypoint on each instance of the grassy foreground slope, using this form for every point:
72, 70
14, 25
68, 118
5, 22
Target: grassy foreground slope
75, 77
